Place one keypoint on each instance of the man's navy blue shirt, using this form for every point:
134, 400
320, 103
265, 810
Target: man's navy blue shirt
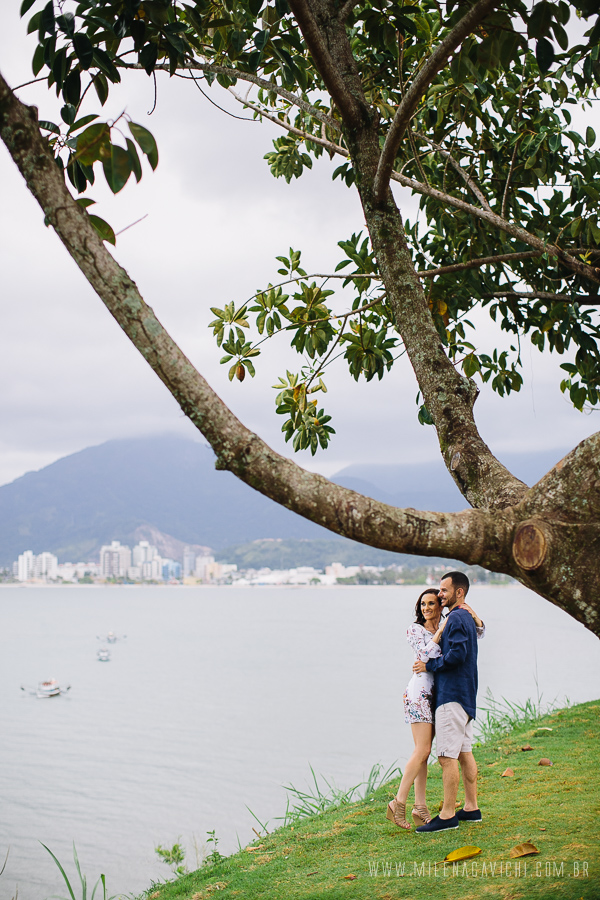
455, 671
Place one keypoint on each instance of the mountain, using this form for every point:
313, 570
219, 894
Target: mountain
123, 489
166, 490
429, 485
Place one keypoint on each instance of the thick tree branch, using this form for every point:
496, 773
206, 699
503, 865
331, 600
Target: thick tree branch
320, 28
418, 87
474, 536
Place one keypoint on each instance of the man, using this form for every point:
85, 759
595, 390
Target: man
455, 698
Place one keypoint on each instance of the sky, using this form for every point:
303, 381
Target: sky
215, 219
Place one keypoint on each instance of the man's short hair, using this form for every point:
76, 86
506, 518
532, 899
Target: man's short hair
459, 580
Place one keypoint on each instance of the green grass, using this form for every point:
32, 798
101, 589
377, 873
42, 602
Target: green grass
557, 808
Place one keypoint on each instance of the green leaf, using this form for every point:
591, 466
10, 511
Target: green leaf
544, 53
117, 168
148, 56
103, 229
72, 88
47, 20
590, 136
101, 87
146, 142
94, 144
84, 202
540, 19
37, 62
84, 50
34, 24
136, 166
49, 126
81, 123
26, 6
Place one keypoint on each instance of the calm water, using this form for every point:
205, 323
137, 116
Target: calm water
216, 698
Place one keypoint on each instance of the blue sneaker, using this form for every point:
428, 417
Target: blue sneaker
438, 824
471, 815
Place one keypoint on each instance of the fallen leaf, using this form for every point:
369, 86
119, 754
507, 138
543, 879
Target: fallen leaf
462, 853
527, 747
544, 761
542, 829
350, 877
311, 873
525, 849
508, 773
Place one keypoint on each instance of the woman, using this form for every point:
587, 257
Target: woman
424, 637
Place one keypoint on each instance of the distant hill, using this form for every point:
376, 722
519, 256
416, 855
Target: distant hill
111, 491
167, 490
277, 553
429, 485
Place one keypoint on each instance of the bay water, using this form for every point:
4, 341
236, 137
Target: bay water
215, 699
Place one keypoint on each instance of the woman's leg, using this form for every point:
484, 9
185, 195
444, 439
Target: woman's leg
416, 767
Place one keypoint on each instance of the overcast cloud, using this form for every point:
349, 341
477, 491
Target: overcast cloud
215, 221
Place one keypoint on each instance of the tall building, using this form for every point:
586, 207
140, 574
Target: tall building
204, 567
143, 552
189, 561
25, 566
45, 566
115, 560
171, 570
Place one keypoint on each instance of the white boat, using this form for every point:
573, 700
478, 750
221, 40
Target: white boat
50, 688
111, 637
103, 654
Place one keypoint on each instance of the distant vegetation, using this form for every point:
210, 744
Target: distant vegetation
292, 553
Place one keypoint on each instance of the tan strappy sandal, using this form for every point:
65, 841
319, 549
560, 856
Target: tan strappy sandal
396, 813
421, 815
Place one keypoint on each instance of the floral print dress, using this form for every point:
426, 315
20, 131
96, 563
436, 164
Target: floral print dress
417, 696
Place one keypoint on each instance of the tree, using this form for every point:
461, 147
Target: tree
467, 106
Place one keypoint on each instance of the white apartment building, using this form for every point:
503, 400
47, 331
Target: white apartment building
146, 563
115, 560
25, 564
45, 566
29, 566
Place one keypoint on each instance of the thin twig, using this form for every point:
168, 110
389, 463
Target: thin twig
514, 156
581, 299
481, 261
470, 182
305, 135
253, 79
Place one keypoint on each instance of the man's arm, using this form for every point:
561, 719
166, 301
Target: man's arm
456, 643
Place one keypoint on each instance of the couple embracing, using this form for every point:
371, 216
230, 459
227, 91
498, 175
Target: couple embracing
441, 697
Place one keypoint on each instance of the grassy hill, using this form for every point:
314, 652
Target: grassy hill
353, 853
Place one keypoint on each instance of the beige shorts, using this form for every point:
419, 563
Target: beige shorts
453, 730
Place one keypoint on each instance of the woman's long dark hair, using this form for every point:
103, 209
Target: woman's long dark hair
420, 618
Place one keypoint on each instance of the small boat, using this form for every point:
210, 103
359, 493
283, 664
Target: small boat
111, 637
103, 654
50, 688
